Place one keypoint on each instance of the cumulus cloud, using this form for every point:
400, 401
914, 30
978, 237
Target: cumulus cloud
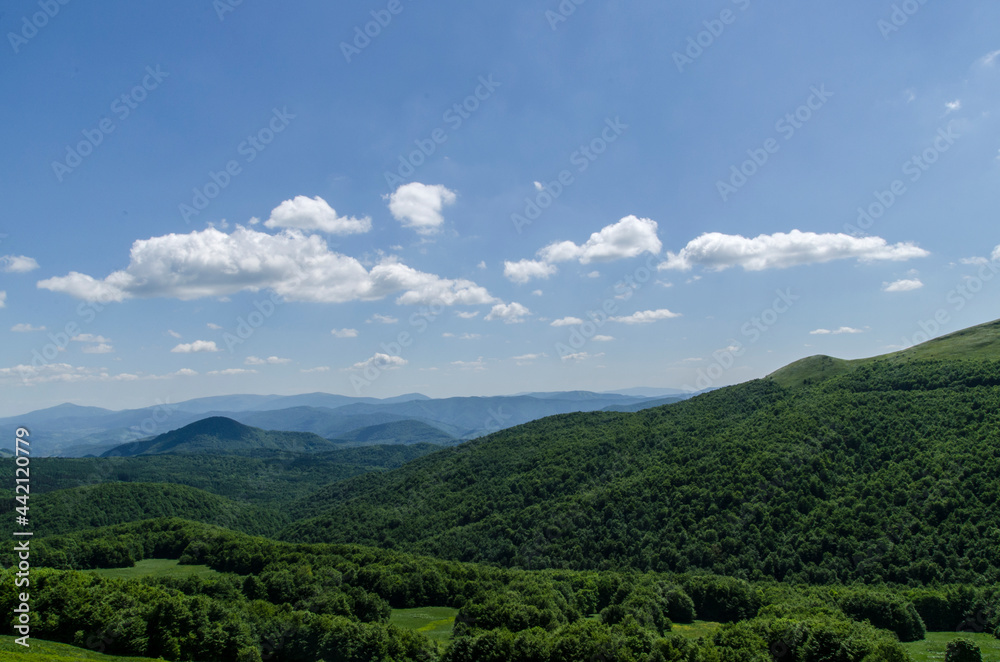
478, 365
230, 371
211, 263
383, 319
214, 327
581, 356
89, 337
17, 264
344, 333
271, 360
904, 285
603, 338
952, 106
646, 316
196, 346
173, 334
717, 251
315, 214
629, 237
468, 315
512, 313
3, 298
30, 375
322, 368
418, 206
101, 348
566, 321
381, 362
835, 332
524, 270
526, 359
26, 328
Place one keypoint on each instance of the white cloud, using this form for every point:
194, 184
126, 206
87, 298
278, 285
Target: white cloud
315, 214
381, 362
995, 256
481, 265
17, 264
836, 332
904, 285
537, 293
30, 375
89, 337
603, 338
512, 313
478, 365
102, 348
629, 237
952, 106
196, 346
646, 316
524, 359
717, 251
322, 368
173, 334
344, 333
418, 206
464, 336
567, 321
231, 371
383, 319
210, 263
989, 59
468, 315
26, 328
3, 298
524, 270
594, 274
581, 356
214, 327
271, 360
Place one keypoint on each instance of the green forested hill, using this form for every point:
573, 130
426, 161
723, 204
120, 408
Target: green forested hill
108, 504
219, 435
888, 472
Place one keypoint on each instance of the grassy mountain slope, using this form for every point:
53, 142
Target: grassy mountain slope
223, 436
977, 342
888, 472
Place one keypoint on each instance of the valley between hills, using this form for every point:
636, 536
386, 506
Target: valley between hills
835, 510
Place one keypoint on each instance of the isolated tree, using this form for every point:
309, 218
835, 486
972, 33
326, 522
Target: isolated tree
962, 650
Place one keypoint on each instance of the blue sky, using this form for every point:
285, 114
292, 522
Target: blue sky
475, 199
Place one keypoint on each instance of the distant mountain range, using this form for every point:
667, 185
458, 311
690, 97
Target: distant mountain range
73, 431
